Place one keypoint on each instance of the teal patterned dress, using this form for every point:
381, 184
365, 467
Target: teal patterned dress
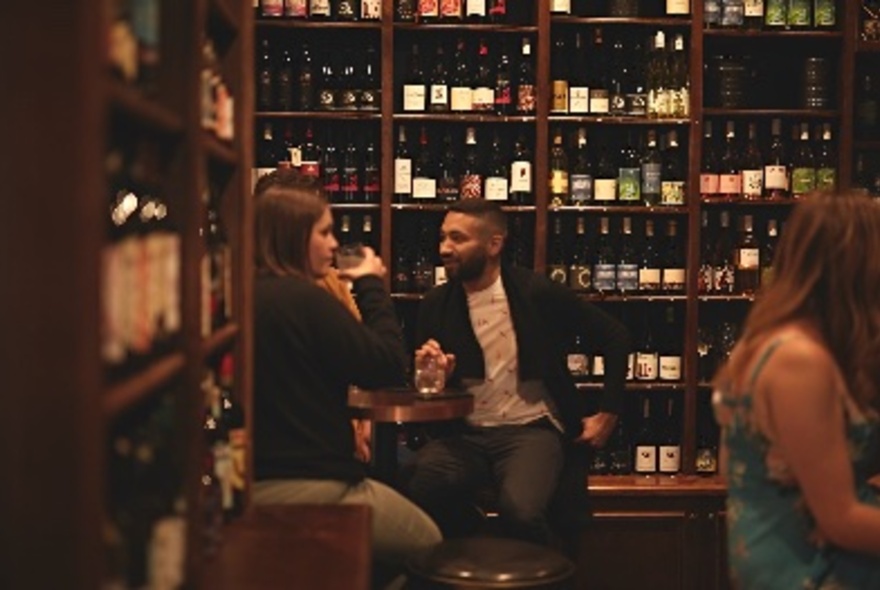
773, 541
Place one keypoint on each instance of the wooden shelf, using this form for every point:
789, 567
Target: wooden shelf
464, 117
749, 202
219, 151
771, 34
622, 210
356, 206
683, 23
300, 23
656, 485
638, 386
456, 27
866, 144
131, 102
441, 207
615, 120
621, 298
811, 113
726, 298
868, 46
219, 339
128, 392
323, 115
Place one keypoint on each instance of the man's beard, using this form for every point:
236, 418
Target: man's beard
470, 269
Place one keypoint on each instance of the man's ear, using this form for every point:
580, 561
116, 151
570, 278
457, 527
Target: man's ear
496, 243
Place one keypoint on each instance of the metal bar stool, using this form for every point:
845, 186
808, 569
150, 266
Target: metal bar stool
484, 563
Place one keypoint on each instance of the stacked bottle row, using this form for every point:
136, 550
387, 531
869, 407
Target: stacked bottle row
217, 103
463, 168
347, 163
140, 261
133, 50
717, 334
770, 14
216, 267
325, 10
325, 79
145, 527
464, 11
621, 8
743, 170
627, 260
642, 169
473, 77
223, 473
619, 72
357, 228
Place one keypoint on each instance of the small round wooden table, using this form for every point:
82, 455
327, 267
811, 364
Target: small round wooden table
388, 408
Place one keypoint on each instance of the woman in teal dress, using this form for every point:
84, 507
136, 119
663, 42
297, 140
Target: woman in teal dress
798, 405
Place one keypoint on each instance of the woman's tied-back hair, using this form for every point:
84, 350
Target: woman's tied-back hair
286, 209
826, 270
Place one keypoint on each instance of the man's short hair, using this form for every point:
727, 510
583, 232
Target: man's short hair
489, 212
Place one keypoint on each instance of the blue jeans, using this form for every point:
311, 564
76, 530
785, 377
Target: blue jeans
521, 463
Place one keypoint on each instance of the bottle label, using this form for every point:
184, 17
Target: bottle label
471, 186
774, 14
754, 8
669, 458
747, 258
525, 98
646, 459
499, 8
803, 180
521, 177
439, 95
730, 184
496, 188
731, 14
629, 185
752, 183
502, 94
581, 189
670, 367
557, 273
630, 366
320, 8
559, 103
604, 277
825, 13
484, 98
560, 6
476, 8
413, 97
649, 279
646, 366
709, 184
776, 177
462, 99
705, 280
799, 13
295, 8
371, 9
598, 366
599, 102
651, 178
424, 188
295, 154
678, 7
450, 8
429, 8
826, 179
722, 277
578, 364
705, 460
273, 7
578, 99
711, 11
628, 277
580, 277
673, 279
402, 176
672, 192
312, 169
605, 189
559, 182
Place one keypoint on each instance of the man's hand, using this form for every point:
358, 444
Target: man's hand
431, 348
363, 435
597, 429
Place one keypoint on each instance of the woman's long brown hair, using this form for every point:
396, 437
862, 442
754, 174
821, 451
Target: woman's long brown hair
826, 271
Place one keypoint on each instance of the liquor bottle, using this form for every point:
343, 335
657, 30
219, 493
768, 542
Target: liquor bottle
768, 251
581, 178
669, 449
320, 9
776, 14
604, 266
705, 282
448, 181
752, 168
502, 91
372, 176
580, 271
710, 167
670, 347
265, 78
521, 173
826, 162
305, 86
284, 81
328, 83
753, 14
672, 177
330, 171
526, 90
649, 268
578, 82
651, 173
747, 259
599, 99
776, 170
730, 176
439, 87
370, 96
722, 260
414, 83
559, 77
800, 14
559, 186
496, 184
471, 170
484, 81
424, 179
647, 356
347, 10
349, 179
629, 173
405, 10
645, 442
461, 93
557, 268
627, 271
605, 179
673, 276
310, 164
402, 168
578, 360
451, 11
803, 168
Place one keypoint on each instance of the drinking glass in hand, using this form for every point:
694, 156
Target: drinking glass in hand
349, 255
430, 376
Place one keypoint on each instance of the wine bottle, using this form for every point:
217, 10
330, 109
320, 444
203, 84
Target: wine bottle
557, 268
271, 8
233, 416
265, 78
768, 252
722, 260
752, 168
284, 81
673, 275
484, 81
670, 348
776, 14
448, 181
649, 268
627, 272
451, 11
305, 85
330, 171
296, 8
503, 100
647, 356
747, 261
405, 10
349, 179
578, 82
826, 161
471, 170
428, 10
521, 174
753, 14
709, 167
669, 449
310, 164
461, 93
581, 177
579, 273
424, 179
439, 87
776, 171
559, 77
651, 173
605, 179
496, 186
604, 266
672, 178
348, 93
599, 98
803, 169
629, 173
705, 281
328, 83
414, 83
526, 90
577, 360
730, 177
370, 95
347, 10
402, 168
372, 183
559, 186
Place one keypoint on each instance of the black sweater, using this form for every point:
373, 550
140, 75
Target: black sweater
308, 348
546, 316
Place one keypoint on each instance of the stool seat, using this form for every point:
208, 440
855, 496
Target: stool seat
490, 562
